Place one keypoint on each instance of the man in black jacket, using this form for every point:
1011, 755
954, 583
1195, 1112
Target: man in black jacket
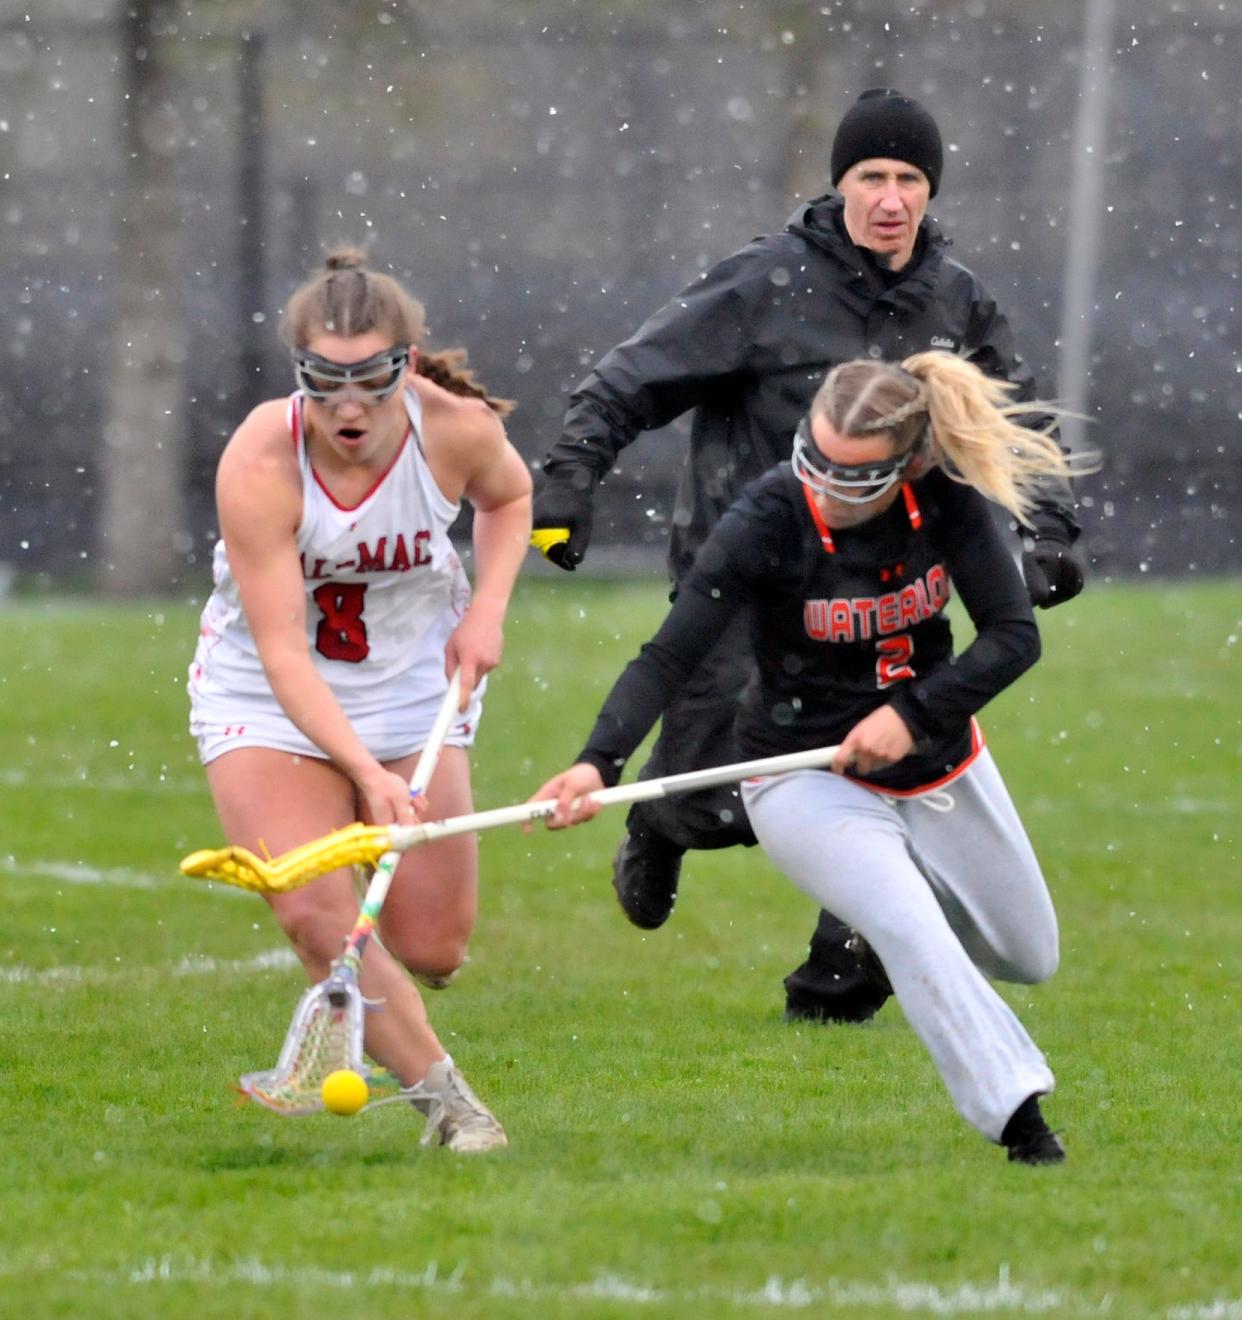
745, 347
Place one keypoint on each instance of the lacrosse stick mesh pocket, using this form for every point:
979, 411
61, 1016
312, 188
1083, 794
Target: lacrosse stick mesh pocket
325, 1034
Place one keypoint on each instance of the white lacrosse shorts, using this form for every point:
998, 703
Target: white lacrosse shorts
224, 721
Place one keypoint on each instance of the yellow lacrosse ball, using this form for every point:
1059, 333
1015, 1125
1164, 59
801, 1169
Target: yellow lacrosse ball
344, 1092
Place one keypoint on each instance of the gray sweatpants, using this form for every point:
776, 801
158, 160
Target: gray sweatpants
946, 898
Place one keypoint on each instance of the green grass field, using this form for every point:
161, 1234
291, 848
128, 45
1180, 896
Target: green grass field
677, 1150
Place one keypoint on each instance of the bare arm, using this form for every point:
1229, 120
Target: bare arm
259, 503
471, 444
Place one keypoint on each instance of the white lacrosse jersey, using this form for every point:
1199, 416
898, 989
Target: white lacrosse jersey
384, 590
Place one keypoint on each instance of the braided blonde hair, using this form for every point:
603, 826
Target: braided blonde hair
348, 298
959, 416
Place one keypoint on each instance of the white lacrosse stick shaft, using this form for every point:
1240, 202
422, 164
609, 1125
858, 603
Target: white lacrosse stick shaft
401, 837
385, 868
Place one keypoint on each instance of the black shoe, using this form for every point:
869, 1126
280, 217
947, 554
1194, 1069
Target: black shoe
841, 981
645, 872
870, 966
1030, 1140
851, 1006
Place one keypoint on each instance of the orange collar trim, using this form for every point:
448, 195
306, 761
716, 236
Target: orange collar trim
913, 512
825, 536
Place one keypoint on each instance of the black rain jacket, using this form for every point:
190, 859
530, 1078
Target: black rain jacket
748, 344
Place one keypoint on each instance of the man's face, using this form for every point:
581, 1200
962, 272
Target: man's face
884, 205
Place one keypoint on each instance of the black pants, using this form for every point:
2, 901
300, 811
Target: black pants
697, 732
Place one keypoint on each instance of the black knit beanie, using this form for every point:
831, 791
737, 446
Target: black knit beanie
885, 124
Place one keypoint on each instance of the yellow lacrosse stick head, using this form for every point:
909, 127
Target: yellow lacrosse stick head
293, 869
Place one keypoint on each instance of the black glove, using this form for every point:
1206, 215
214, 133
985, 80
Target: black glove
564, 509
1054, 571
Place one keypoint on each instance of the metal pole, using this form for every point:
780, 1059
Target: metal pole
1085, 217
251, 214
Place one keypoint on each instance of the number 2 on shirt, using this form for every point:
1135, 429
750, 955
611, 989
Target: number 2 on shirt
892, 661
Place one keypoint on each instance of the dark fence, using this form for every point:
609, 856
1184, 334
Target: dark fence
544, 175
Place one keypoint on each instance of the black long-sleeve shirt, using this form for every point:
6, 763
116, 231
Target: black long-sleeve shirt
841, 628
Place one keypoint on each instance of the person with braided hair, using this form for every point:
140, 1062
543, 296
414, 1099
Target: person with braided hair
742, 349
842, 560
339, 611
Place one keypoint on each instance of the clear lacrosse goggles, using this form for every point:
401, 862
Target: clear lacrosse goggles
371, 381
851, 483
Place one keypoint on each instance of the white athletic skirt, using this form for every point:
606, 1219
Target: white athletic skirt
397, 726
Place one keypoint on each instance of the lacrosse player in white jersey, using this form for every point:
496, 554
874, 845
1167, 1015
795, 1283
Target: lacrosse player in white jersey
339, 610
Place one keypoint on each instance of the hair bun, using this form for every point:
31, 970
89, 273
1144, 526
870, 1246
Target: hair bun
345, 258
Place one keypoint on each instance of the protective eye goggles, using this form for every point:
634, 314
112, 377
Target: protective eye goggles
851, 483
372, 381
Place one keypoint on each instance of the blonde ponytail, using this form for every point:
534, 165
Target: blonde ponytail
976, 440
959, 417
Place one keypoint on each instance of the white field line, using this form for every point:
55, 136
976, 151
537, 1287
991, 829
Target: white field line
997, 1297
1001, 1296
77, 873
192, 964
122, 877
1135, 805
113, 782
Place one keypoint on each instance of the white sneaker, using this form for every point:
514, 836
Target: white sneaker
456, 1117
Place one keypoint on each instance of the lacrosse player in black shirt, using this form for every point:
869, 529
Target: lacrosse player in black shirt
845, 557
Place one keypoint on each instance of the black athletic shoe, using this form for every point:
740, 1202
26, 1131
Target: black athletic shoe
1030, 1140
857, 1005
645, 872
841, 981
870, 966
